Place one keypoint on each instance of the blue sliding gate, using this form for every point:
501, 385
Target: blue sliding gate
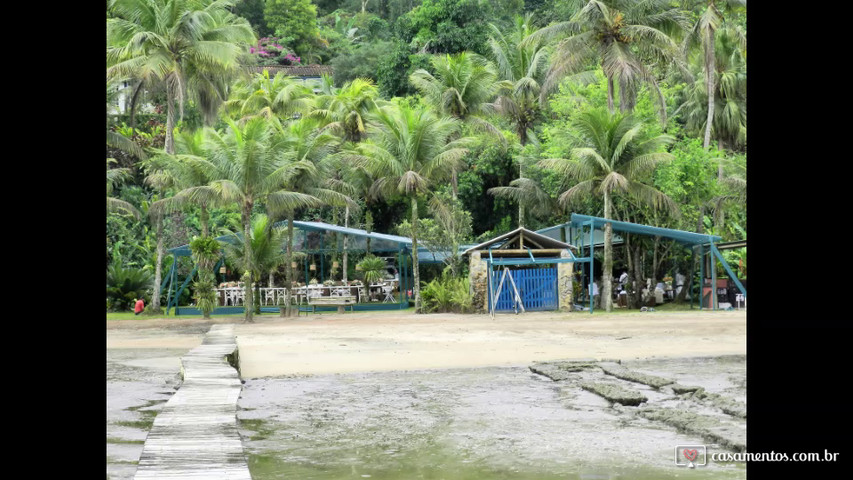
537, 286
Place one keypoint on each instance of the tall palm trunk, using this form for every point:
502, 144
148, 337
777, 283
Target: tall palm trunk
720, 166
346, 225
710, 71
247, 252
204, 219
170, 118
158, 268
416, 276
522, 135
133, 101
607, 269
610, 94
288, 270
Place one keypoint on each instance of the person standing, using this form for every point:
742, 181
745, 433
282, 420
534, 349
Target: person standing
140, 306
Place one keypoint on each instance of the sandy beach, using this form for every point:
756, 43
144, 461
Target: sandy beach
387, 341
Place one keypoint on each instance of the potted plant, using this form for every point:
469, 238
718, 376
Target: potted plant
372, 269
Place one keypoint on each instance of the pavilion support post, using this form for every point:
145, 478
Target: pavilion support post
732, 275
322, 257
712, 264
591, 265
701, 276
169, 282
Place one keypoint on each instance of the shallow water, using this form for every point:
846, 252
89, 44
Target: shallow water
466, 424
139, 382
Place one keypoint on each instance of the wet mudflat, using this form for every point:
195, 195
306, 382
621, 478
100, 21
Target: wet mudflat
139, 382
479, 423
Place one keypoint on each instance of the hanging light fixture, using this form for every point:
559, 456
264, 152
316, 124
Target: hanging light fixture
335, 264
313, 267
293, 264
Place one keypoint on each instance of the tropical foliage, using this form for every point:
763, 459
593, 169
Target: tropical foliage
447, 121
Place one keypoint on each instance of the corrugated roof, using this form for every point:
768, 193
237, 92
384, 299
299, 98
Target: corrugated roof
397, 241
348, 231
682, 236
546, 242
575, 237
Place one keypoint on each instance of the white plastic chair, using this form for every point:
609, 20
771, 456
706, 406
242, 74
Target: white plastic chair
389, 297
269, 294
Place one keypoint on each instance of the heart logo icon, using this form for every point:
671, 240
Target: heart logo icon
690, 454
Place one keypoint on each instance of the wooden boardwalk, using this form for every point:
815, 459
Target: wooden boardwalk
195, 435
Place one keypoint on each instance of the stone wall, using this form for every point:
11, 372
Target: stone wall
478, 277
564, 282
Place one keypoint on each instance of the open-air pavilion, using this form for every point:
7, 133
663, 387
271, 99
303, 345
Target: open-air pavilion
584, 227
576, 239
319, 242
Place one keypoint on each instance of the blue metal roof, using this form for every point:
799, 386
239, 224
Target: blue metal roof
575, 235
688, 238
380, 242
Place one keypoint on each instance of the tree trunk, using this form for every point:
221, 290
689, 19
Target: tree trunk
288, 270
158, 268
416, 276
607, 268
346, 237
133, 100
204, 219
247, 252
170, 118
630, 259
520, 202
454, 182
639, 281
720, 166
710, 70
610, 95
624, 98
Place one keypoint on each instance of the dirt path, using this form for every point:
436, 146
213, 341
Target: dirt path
384, 341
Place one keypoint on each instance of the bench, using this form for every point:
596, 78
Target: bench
341, 301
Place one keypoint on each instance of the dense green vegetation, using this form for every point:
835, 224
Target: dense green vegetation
449, 121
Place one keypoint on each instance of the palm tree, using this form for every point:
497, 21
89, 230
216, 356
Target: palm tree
410, 150
522, 66
191, 45
303, 143
248, 166
624, 36
462, 87
187, 169
282, 95
265, 254
613, 156
528, 193
344, 109
726, 108
117, 176
703, 33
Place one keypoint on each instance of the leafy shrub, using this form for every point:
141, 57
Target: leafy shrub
447, 294
205, 252
372, 268
124, 285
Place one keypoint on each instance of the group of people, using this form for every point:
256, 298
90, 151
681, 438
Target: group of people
620, 295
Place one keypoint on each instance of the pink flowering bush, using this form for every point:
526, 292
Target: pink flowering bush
269, 52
